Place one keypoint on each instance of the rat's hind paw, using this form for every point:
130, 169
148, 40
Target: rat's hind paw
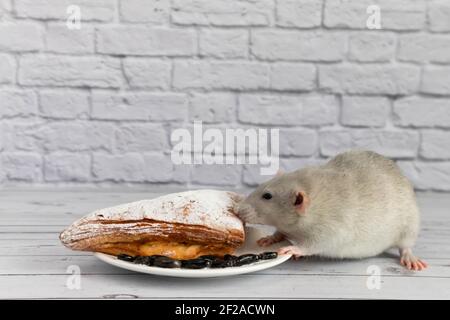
295, 251
410, 261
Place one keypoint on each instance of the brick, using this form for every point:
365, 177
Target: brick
159, 168
403, 15
252, 176
49, 70
395, 15
293, 164
139, 106
3, 138
7, 69
143, 11
435, 144
345, 14
60, 39
364, 111
142, 40
220, 75
141, 137
91, 10
79, 136
216, 175
17, 103
436, 80
212, 107
67, 167
128, 167
181, 173
298, 46
299, 13
288, 110
22, 166
427, 175
290, 76
137, 167
422, 112
298, 142
424, 47
64, 104
224, 43
5, 8
223, 12
439, 15
370, 47
396, 144
21, 135
370, 79
145, 73
21, 37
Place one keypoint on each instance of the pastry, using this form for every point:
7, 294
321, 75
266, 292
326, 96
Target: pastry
182, 225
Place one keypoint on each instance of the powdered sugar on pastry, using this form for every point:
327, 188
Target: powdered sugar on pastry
208, 208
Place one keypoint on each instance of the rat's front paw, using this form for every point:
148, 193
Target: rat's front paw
266, 241
296, 252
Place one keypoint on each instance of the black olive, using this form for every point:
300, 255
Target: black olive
218, 263
198, 263
246, 259
249, 256
208, 257
125, 257
143, 260
230, 260
268, 255
158, 256
140, 260
229, 257
165, 262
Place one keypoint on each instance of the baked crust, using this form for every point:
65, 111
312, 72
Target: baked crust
181, 225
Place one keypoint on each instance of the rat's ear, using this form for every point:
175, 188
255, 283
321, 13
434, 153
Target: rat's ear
301, 202
279, 173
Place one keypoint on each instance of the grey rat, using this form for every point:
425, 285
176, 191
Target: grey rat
357, 205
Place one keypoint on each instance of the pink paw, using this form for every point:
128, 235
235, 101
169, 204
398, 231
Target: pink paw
413, 263
266, 241
293, 250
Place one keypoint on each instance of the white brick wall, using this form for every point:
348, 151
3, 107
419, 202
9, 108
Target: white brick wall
96, 106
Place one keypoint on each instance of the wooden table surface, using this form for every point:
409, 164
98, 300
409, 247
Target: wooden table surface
34, 264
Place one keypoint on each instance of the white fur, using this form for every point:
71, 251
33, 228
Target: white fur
360, 205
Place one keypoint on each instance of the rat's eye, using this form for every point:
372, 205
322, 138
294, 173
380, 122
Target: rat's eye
267, 196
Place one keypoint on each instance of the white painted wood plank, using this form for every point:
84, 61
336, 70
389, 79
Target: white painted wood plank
31, 229
244, 286
34, 262
48, 247
425, 248
28, 236
89, 265
84, 202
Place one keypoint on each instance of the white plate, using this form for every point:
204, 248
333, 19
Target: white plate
250, 246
